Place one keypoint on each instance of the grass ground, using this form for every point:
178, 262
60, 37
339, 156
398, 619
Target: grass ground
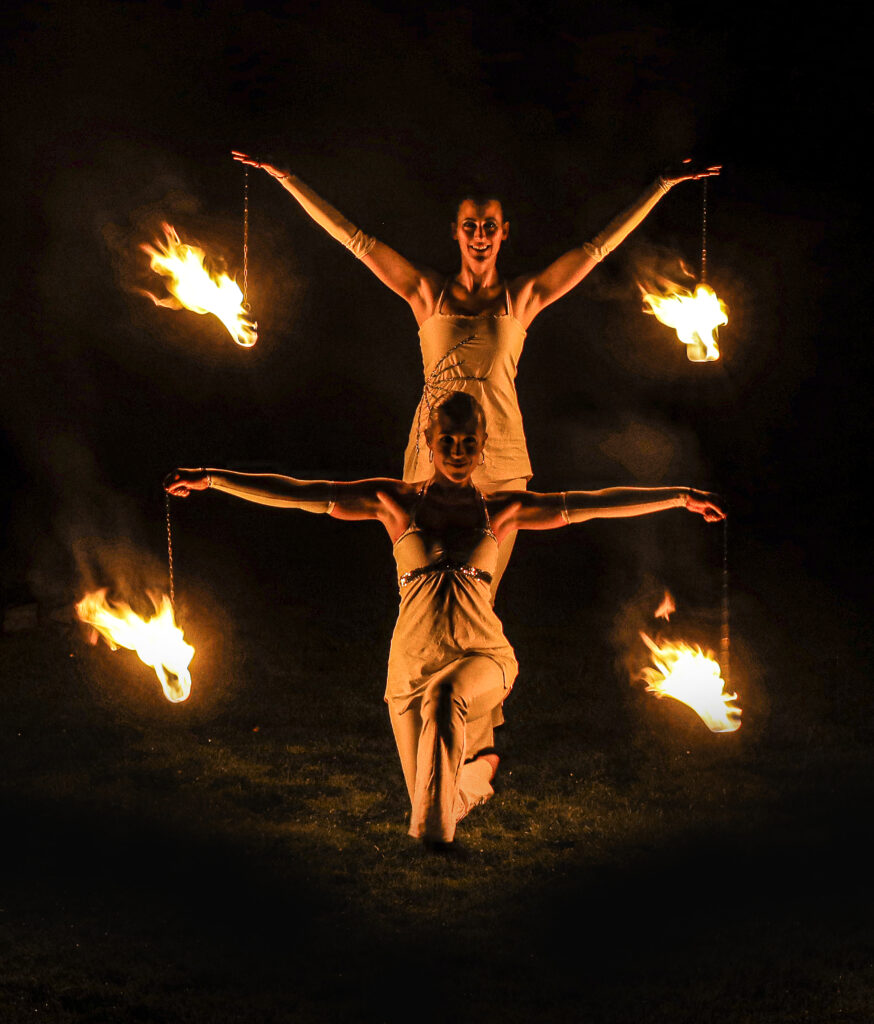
243, 857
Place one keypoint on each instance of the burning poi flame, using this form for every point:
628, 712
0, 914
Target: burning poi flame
193, 287
158, 641
695, 316
687, 674
667, 608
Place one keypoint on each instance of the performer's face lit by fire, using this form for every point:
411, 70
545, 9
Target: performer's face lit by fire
479, 229
457, 446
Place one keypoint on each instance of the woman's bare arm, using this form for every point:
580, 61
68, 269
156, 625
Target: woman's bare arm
353, 500
533, 293
528, 510
419, 286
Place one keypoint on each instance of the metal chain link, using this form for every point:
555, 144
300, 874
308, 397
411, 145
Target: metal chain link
170, 552
725, 638
246, 238
704, 230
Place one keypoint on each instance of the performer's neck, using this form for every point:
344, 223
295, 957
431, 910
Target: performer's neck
443, 487
476, 279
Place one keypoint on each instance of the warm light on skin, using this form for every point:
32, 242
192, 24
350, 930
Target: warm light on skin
480, 229
457, 448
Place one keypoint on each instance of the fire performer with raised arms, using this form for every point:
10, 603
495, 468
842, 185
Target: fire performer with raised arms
450, 665
473, 324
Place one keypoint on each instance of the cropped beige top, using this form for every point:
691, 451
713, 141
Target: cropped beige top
480, 355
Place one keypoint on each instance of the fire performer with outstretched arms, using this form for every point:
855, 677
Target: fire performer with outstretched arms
473, 324
450, 665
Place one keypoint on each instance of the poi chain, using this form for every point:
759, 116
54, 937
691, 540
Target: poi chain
246, 239
170, 552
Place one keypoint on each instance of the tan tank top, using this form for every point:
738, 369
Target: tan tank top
479, 355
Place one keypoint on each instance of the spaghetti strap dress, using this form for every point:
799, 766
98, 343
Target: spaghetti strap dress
479, 355
445, 609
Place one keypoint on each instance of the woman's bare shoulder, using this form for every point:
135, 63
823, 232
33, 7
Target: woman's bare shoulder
398, 491
521, 290
431, 283
498, 501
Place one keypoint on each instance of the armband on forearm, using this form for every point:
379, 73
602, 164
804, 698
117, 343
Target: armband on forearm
262, 490
621, 227
360, 244
329, 219
620, 502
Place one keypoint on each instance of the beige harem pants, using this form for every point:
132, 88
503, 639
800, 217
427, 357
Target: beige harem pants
433, 739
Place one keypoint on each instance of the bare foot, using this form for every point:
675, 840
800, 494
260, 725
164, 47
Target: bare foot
494, 761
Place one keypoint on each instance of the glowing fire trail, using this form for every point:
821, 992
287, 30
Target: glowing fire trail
695, 316
158, 641
667, 608
689, 675
193, 287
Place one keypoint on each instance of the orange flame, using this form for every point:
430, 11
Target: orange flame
193, 287
689, 675
667, 608
158, 641
695, 316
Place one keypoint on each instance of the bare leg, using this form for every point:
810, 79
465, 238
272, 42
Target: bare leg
445, 788
475, 784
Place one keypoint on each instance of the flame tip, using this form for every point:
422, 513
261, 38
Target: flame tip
688, 674
157, 641
199, 290
696, 316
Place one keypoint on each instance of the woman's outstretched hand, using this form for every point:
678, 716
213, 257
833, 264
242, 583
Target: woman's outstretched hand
250, 161
705, 504
689, 171
182, 482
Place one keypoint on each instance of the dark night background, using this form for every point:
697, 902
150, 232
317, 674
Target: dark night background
118, 116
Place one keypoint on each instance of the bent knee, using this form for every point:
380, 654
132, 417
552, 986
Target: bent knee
443, 699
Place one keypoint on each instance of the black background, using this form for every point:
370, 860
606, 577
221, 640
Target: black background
118, 116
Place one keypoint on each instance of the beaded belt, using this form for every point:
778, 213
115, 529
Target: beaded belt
470, 571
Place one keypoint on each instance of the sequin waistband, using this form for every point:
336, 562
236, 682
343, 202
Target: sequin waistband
470, 571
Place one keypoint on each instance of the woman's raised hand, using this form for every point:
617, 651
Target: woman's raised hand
244, 158
689, 171
705, 504
182, 482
